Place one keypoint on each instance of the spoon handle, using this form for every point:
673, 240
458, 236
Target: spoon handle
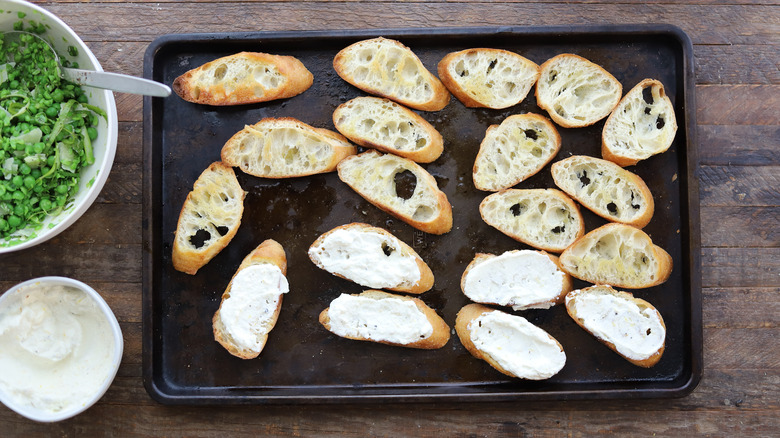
116, 82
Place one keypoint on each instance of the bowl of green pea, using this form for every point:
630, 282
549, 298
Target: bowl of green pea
57, 139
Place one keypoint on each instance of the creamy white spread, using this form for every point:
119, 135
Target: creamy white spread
254, 295
521, 279
388, 319
56, 348
636, 333
518, 346
368, 258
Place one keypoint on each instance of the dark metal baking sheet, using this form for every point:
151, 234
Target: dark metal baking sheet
304, 363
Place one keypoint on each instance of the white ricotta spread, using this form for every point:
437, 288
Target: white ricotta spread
254, 295
518, 346
368, 258
521, 279
388, 319
636, 333
56, 348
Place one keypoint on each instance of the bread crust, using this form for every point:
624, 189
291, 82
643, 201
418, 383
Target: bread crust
438, 224
426, 280
231, 153
570, 261
465, 316
438, 339
190, 87
468, 99
550, 195
570, 297
562, 175
427, 154
341, 62
608, 152
189, 260
549, 106
566, 287
269, 251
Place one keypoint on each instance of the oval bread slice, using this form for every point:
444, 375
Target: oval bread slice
209, 218
542, 218
575, 91
252, 301
373, 176
386, 318
618, 255
514, 151
387, 68
630, 326
488, 78
371, 257
642, 125
243, 78
382, 124
509, 343
522, 279
606, 189
285, 148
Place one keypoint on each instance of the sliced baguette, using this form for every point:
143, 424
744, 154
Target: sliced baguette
212, 213
386, 318
488, 78
606, 189
630, 326
509, 343
373, 176
619, 255
387, 68
514, 151
243, 78
371, 257
382, 124
285, 148
252, 301
521, 279
642, 125
542, 218
575, 91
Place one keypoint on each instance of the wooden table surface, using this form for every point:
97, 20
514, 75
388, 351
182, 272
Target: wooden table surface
737, 75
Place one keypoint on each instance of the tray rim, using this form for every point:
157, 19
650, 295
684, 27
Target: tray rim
689, 186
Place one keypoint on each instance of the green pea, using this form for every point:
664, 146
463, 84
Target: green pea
3, 224
14, 221
92, 133
52, 111
62, 189
17, 180
45, 204
29, 181
24, 169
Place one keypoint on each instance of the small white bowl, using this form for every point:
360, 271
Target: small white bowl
94, 176
115, 359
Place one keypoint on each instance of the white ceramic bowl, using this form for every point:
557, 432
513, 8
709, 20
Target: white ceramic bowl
45, 416
94, 176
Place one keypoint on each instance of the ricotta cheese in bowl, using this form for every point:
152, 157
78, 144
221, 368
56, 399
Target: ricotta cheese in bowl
60, 348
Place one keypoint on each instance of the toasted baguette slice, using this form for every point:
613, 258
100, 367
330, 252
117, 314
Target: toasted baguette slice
576, 92
522, 279
606, 189
245, 77
211, 214
488, 78
386, 318
642, 125
543, 218
252, 301
285, 148
630, 326
373, 176
618, 255
509, 343
387, 68
514, 151
382, 124
371, 257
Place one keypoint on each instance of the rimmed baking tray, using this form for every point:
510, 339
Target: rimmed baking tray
304, 363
